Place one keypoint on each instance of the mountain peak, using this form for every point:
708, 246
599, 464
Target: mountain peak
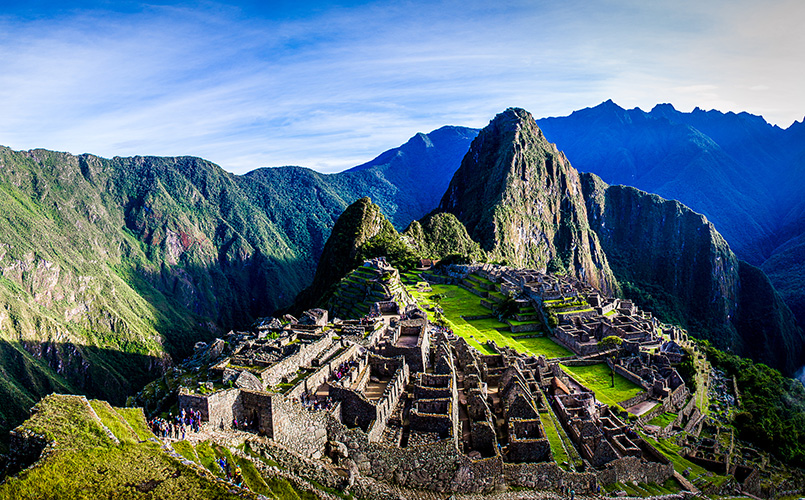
518, 196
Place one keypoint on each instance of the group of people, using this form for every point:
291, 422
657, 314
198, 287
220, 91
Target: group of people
242, 424
344, 369
235, 476
314, 403
176, 427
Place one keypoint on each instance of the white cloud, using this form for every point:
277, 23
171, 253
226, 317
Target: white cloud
333, 89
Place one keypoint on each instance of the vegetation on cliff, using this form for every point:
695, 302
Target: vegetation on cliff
441, 234
111, 267
673, 262
518, 196
773, 406
744, 174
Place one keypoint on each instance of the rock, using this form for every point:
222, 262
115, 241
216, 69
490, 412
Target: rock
247, 380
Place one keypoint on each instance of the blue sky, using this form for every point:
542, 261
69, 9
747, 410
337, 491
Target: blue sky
329, 85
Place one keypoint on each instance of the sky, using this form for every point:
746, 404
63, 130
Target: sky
330, 85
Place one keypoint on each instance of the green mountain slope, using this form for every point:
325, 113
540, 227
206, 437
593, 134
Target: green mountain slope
363, 232
521, 200
111, 267
673, 262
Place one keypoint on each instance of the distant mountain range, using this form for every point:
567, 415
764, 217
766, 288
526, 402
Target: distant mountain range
745, 175
110, 268
517, 196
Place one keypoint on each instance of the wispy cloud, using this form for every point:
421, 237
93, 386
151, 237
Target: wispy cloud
333, 87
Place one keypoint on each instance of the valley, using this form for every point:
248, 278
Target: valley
531, 329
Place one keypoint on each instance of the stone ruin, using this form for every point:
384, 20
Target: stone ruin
403, 400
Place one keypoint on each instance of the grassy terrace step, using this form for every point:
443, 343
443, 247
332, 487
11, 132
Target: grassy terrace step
458, 303
86, 463
597, 378
136, 420
698, 474
113, 421
480, 279
662, 419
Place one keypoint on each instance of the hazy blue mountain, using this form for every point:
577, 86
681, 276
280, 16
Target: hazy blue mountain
520, 198
746, 175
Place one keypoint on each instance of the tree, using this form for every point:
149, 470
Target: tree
506, 308
611, 341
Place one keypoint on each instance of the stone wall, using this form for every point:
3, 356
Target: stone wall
527, 327
441, 467
273, 375
315, 379
631, 377
626, 403
529, 450
548, 476
217, 409
635, 469
388, 402
356, 410
299, 428
257, 407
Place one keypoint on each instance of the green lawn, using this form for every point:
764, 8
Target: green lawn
663, 419
671, 451
597, 378
559, 453
458, 302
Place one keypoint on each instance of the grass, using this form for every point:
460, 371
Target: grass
662, 419
207, 457
458, 303
481, 279
86, 464
252, 477
597, 378
559, 453
671, 451
185, 449
113, 421
136, 420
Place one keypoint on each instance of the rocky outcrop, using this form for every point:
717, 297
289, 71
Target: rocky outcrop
521, 200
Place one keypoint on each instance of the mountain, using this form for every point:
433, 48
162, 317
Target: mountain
524, 203
111, 268
363, 232
420, 169
518, 196
744, 174
439, 235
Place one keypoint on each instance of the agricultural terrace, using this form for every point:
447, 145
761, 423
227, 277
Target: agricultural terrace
598, 378
458, 303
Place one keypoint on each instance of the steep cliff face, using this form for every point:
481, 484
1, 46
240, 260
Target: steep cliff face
674, 262
521, 200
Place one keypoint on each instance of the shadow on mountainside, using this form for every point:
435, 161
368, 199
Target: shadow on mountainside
31, 370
